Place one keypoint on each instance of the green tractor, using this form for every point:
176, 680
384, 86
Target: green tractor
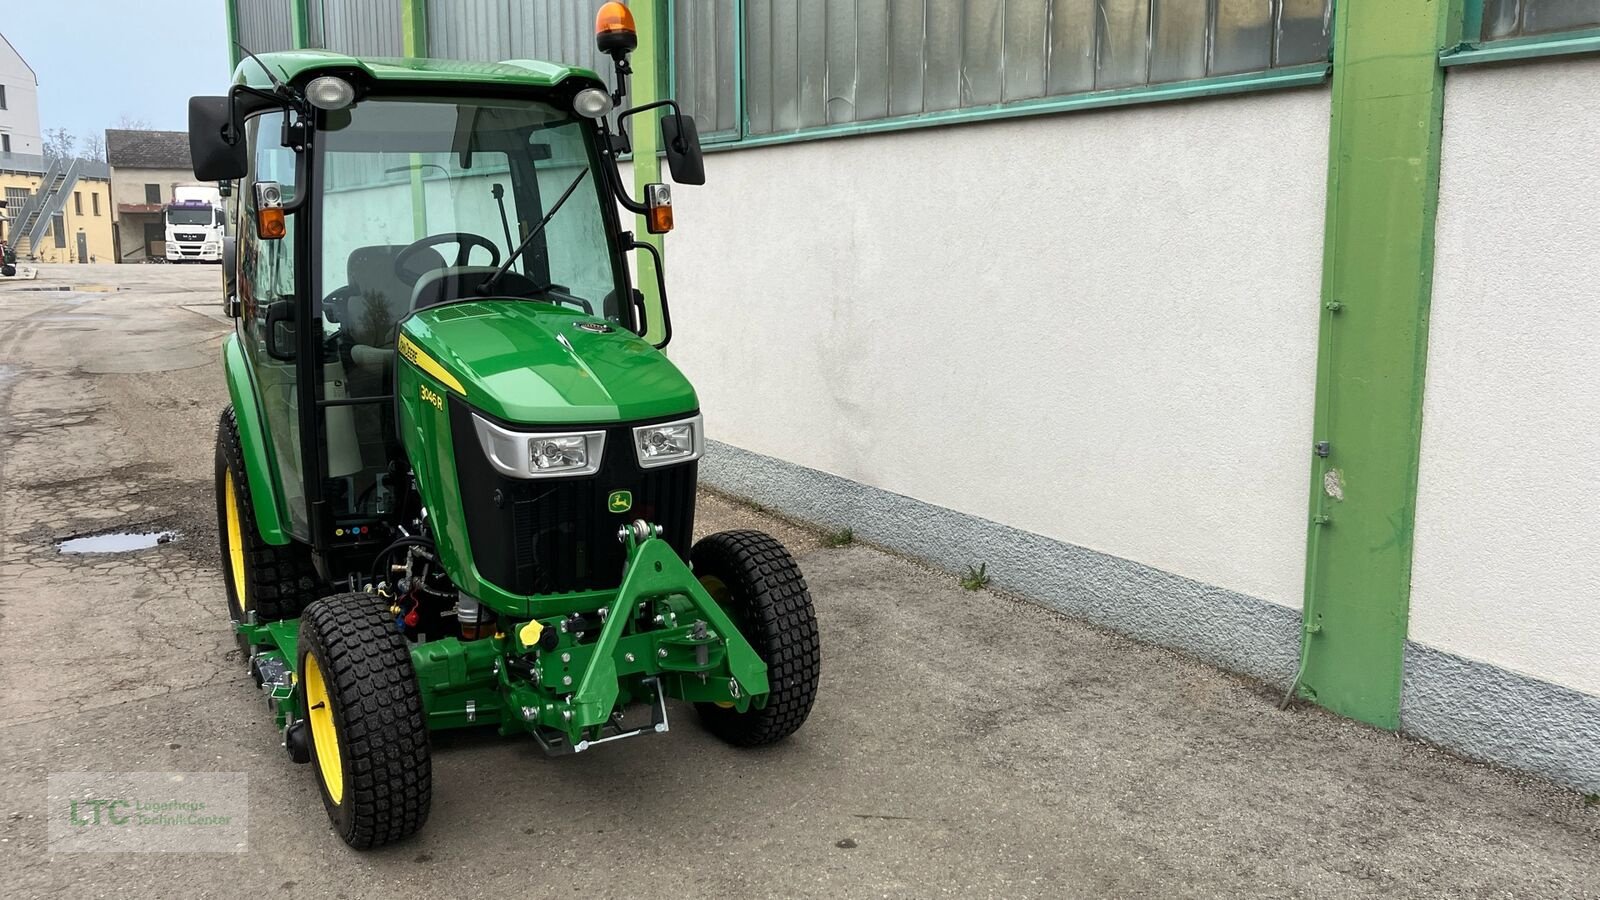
456, 483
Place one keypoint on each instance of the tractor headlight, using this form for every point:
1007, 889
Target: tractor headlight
669, 442
520, 454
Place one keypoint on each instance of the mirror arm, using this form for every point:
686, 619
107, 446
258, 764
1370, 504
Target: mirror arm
677, 110
613, 174
235, 130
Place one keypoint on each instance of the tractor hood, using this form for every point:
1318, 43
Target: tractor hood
529, 363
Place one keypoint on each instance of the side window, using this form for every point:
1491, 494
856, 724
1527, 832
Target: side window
266, 285
266, 268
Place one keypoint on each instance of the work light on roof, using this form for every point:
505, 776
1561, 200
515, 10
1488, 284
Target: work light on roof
591, 103
330, 93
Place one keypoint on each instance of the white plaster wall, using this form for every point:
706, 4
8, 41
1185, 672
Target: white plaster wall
1507, 552
20, 118
1098, 327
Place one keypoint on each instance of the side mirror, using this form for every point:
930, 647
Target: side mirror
230, 276
280, 332
214, 144
680, 138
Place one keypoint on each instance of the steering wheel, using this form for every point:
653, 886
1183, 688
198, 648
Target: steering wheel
465, 241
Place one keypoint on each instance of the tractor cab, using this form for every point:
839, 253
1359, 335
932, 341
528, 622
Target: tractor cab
367, 193
457, 473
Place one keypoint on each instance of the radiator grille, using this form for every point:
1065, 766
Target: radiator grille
545, 536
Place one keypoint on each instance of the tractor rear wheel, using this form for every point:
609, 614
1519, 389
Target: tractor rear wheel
369, 737
756, 581
274, 582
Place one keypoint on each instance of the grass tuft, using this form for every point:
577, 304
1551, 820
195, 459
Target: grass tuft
976, 579
844, 537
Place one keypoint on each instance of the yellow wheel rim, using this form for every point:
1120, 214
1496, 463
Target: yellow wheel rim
718, 589
230, 505
324, 735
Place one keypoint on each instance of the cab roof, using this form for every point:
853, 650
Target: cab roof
293, 65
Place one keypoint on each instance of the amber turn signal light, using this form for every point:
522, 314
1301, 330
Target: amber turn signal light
614, 31
658, 208
270, 224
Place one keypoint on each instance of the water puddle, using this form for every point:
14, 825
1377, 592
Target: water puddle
116, 542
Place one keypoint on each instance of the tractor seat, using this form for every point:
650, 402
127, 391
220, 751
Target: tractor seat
378, 298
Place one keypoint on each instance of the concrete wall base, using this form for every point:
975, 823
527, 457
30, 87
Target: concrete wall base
1495, 715
1465, 706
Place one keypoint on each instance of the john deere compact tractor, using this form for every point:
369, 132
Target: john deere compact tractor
456, 484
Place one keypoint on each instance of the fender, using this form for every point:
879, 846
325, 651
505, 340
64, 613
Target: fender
253, 442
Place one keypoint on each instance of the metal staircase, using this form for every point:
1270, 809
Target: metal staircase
29, 224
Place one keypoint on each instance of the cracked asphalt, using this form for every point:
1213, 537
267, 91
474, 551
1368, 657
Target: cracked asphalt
964, 743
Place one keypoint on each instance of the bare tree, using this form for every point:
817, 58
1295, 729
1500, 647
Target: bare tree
126, 122
94, 146
59, 143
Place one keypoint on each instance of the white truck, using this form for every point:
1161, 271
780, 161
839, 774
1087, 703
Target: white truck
194, 224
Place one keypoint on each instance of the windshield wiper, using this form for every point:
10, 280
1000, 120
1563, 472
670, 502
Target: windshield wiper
488, 283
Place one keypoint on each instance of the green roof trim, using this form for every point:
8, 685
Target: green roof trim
293, 65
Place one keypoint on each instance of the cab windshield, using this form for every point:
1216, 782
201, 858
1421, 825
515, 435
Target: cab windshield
420, 200
205, 216
423, 198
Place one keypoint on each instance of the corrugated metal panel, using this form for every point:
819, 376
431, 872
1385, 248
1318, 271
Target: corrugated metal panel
556, 30
491, 30
361, 27
265, 26
470, 29
810, 61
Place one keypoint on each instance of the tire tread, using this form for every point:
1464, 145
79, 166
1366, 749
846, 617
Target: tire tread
777, 617
282, 579
378, 712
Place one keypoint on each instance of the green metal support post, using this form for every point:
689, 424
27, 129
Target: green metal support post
1383, 185
647, 87
414, 26
414, 30
300, 23
232, 8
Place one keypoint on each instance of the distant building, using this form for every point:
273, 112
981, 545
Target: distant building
55, 212
69, 221
145, 165
19, 106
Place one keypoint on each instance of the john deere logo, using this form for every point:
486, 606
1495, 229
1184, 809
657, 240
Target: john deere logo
620, 501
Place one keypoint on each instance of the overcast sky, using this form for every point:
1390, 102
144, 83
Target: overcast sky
98, 60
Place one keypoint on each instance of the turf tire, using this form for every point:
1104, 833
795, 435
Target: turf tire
767, 598
279, 580
387, 768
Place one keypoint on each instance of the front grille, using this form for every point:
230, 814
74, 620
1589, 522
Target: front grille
189, 237
547, 536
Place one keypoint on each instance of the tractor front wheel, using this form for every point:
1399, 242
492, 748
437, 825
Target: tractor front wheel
369, 737
756, 581
273, 582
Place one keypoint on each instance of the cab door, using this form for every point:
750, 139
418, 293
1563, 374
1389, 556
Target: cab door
269, 314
